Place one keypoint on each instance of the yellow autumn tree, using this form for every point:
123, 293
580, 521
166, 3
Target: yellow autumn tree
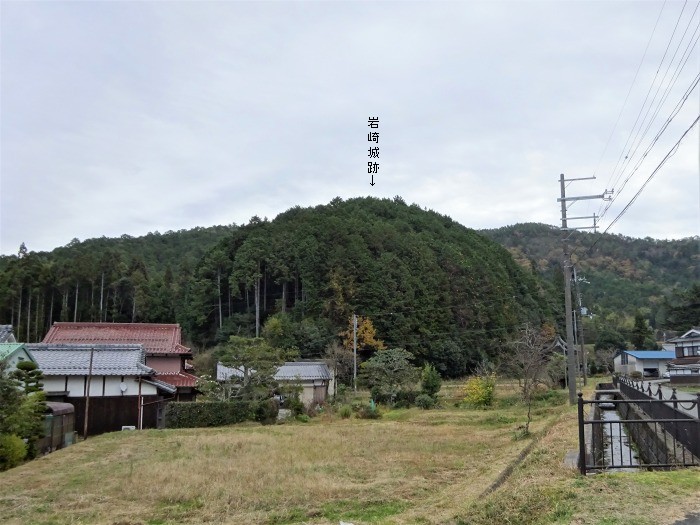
366, 336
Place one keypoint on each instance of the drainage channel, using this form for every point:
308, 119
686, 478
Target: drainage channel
618, 449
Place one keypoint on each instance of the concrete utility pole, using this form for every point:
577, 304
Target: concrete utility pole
571, 361
584, 356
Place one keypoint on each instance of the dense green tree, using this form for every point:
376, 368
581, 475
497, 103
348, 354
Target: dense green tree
389, 372
642, 336
430, 380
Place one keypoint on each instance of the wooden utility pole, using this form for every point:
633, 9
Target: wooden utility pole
87, 395
567, 266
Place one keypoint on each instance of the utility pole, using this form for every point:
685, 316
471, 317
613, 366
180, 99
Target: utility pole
567, 266
87, 395
584, 356
354, 351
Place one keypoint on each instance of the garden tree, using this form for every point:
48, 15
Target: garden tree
28, 376
528, 361
21, 416
341, 362
388, 373
642, 336
258, 363
366, 336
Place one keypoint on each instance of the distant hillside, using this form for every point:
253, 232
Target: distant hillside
622, 274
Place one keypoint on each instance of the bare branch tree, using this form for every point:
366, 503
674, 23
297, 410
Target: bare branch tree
529, 361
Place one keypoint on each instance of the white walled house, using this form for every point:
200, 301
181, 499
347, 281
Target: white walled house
314, 378
685, 367
649, 363
121, 389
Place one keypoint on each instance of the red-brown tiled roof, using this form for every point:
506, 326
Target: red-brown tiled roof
178, 379
155, 338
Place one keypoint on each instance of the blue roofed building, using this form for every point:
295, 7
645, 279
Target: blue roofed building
649, 363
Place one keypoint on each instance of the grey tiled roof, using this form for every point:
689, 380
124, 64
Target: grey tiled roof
224, 373
302, 370
299, 370
6, 335
74, 359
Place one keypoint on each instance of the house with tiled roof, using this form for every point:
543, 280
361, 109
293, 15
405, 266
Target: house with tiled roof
314, 378
111, 380
685, 367
13, 353
162, 344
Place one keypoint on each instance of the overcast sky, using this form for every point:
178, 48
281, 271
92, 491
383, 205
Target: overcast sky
130, 117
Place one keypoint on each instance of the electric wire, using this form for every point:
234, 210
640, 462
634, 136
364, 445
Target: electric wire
671, 152
646, 98
624, 105
637, 141
668, 121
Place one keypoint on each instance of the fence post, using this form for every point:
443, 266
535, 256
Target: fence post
674, 397
581, 437
697, 404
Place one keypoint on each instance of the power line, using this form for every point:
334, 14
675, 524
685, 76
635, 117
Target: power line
646, 98
668, 121
624, 105
671, 152
674, 77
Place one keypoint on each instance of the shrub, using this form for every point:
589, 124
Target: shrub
425, 401
266, 411
636, 375
12, 451
294, 404
405, 398
369, 412
345, 411
207, 414
430, 380
479, 391
303, 418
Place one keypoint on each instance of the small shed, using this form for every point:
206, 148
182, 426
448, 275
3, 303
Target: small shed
59, 426
315, 378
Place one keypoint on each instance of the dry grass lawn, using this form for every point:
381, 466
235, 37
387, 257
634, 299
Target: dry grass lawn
410, 467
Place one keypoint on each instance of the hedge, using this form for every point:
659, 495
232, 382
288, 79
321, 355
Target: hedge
207, 413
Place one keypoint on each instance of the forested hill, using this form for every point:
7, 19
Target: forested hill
622, 274
429, 284
445, 292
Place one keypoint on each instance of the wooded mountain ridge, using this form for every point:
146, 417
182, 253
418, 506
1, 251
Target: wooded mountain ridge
448, 294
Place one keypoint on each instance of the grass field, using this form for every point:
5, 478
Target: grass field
410, 467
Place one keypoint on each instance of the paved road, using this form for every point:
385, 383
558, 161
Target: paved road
690, 519
686, 407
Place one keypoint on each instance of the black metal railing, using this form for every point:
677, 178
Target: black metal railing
645, 435
670, 408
